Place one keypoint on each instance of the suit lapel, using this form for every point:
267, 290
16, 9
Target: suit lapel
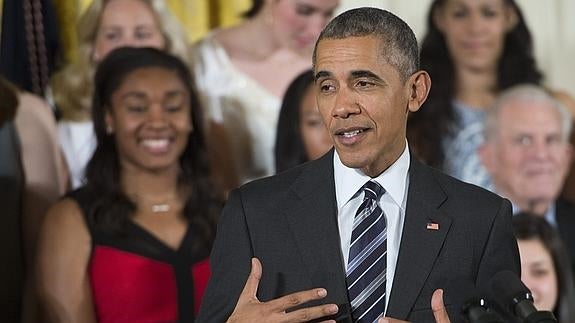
420, 244
311, 211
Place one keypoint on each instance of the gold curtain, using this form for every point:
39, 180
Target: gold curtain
196, 16
200, 16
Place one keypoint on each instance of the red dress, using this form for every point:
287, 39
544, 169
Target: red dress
135, 277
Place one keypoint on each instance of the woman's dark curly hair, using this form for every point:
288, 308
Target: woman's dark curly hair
113, 208
427, 128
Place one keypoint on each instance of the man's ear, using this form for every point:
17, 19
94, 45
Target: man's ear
419, 85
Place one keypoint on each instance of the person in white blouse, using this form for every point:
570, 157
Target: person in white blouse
242, 73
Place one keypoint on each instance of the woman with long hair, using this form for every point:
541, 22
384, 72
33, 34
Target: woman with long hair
545, 266
132, 244
301, 133
105, 25
473, 50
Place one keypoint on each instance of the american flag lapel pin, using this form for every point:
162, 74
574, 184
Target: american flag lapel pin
432, 226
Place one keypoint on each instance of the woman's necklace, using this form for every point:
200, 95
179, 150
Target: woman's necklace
155, 205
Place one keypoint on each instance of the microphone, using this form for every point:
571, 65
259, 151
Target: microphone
473, 308
515, 297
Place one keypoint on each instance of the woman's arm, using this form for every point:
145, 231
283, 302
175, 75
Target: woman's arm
63, 256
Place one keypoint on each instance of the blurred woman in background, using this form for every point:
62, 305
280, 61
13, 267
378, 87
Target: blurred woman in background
473, 49
301, 134
242, 73
32, 178
545, 266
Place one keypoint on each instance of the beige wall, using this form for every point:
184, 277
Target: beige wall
550, 21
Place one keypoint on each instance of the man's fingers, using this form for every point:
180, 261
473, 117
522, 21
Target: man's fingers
251, 287
439, 311
292, 300
311, 313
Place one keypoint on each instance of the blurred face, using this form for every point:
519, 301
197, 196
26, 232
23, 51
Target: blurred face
475, 31
528, 158
126, 23
364, 102
297, 23
538, 273
316, 139
150, 119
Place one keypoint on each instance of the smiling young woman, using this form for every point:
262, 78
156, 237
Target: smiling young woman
132, 243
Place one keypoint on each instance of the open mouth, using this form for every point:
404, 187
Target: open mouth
156, 145
349, 133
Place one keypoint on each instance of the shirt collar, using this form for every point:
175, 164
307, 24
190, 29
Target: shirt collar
348, 181
549, 214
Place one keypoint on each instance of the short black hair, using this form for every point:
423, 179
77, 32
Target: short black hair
398, 43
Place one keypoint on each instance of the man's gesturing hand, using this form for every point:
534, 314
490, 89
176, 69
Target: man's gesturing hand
439, 311
250, 309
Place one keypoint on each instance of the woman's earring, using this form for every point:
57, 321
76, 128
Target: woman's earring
109, 130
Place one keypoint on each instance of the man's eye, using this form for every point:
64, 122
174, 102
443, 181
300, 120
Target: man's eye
524, 140
327, 88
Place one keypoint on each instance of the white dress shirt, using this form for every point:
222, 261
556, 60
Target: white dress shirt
348, 184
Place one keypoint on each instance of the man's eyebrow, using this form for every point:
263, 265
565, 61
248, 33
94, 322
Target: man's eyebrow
365, 73
321, 74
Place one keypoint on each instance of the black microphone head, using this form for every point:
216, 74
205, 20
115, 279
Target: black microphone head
508, 290
469, 294
470, 304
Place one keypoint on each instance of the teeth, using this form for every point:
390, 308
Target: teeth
155, 143
351, 133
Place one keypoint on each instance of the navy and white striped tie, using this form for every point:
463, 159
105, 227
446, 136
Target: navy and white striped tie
367, 262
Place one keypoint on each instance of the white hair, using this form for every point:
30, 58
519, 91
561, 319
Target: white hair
525, 93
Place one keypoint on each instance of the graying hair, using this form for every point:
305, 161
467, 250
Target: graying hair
526, 93
398, 42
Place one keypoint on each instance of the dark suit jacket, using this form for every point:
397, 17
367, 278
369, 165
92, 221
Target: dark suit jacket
289, 221
565, 217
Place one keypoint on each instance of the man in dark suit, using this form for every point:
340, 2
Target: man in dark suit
316, 232
527, 153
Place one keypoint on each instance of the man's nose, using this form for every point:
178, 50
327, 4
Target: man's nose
345, 105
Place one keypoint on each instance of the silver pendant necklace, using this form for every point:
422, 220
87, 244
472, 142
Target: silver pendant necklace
160, 208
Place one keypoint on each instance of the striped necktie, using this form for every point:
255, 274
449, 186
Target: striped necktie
367, 262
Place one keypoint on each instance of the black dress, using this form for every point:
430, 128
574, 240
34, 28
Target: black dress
135, 277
